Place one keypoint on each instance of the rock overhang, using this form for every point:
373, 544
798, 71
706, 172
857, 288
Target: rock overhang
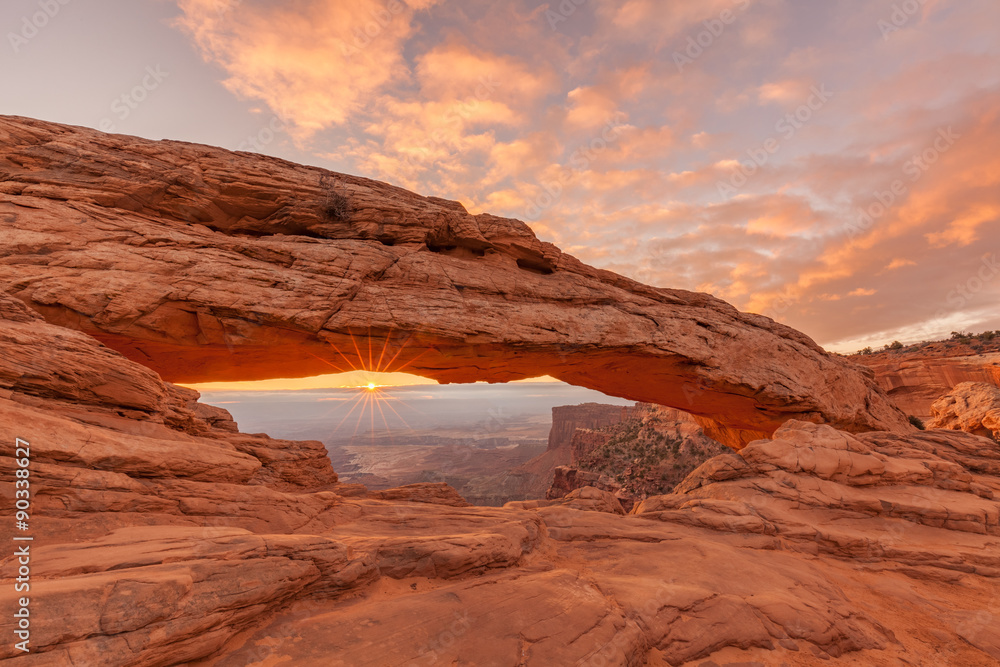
203, 264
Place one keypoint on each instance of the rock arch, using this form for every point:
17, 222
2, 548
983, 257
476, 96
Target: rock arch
204, 264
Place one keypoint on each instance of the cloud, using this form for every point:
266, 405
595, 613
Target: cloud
488, 103
965, 229
899, 263
313, 63
457, 70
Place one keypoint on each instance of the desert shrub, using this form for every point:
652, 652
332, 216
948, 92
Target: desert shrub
336, 207
916, 421
865, 350
894, 345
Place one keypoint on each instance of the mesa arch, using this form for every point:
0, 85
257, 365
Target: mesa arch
205, 264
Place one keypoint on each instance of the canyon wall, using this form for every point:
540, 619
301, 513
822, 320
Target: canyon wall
917, 376
567, 419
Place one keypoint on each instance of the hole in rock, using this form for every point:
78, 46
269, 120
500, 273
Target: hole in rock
457, 250
534, 267
492, 443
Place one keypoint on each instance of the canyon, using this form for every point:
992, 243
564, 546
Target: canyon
647, 452
830, 532
532, 479
917, 375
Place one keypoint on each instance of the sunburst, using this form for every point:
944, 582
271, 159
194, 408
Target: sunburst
371, 397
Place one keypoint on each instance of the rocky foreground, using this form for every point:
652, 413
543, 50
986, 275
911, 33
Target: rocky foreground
164, 536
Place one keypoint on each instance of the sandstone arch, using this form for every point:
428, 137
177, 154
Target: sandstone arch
204, 264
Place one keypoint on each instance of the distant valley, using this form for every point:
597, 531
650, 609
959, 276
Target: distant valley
473, 437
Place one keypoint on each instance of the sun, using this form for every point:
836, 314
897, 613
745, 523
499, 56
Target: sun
371, 396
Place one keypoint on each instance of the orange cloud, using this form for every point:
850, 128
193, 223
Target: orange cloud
964, 230
899, 263
456, 70
313, 63
490, 104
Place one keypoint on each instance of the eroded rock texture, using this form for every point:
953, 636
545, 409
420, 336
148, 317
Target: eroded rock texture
918, 376
204, 264
164, 536
973, 407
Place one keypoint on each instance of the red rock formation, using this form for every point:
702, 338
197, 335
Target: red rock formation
871, 549
163, 536
436, 493
585, 441
674, 423
917, 376
566, 479
567, 419
204, 264
535, 476
971, 407
648, 452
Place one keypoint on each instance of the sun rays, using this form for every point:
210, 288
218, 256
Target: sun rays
373, 402
386, 361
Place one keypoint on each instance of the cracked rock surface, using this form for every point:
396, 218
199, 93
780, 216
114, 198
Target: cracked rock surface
165, 536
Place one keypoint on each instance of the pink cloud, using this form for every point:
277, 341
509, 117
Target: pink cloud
412, 108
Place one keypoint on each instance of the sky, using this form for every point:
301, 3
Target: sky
352, 379
833, 164
332, 415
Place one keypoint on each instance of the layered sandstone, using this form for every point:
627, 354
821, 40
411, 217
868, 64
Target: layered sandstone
204, 264
164, 536
916, 376
568, 419
815, 545
567, 479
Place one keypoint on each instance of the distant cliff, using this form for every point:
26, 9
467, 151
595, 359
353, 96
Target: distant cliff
531, 480
648, 452
917, 375
566, 419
